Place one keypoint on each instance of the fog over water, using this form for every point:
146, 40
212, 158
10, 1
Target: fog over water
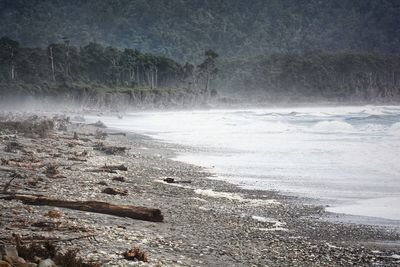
347, 157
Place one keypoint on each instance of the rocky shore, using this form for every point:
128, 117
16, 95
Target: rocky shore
205, 222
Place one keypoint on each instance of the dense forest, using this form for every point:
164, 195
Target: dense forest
62, 62
295, 76
101, 65
184, 29
61, 69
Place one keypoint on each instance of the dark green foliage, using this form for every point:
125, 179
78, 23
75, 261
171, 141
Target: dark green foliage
343, 76
208, 69
62, 63
183, 29
8, 53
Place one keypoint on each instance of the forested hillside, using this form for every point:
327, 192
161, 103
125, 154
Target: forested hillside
62, 69
183, 29
94, 63
299, 76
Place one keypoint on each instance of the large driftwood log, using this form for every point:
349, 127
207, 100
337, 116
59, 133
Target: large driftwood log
134, 212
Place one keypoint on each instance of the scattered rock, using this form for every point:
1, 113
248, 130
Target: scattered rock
81, 154
110, 150
54, 214
115, 191
29, 127
47, 263
52, 171
119, 179
45, 224
11, 256
169, 180
121, 167
11, 252
172, 181
12, 147
136, 254
4, 264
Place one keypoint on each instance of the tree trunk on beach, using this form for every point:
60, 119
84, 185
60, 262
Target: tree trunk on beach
134, 212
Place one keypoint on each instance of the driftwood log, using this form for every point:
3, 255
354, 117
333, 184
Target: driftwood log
121, 167
134, 212
111, 150
110, 168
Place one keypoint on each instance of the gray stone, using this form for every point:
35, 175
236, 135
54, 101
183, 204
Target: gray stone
11, 252
47, 263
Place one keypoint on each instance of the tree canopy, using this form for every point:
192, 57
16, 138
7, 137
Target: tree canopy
183, 29
92, 63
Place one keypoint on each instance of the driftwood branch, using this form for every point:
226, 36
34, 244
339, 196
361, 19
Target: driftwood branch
130, 211
7, 169
7, 185
111, 150
44, 239
110, 168
121, 167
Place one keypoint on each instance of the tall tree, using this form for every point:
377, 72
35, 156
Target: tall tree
129, 63
8, 54
208, 69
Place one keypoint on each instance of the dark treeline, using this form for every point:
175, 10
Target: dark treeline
339, 76
342, 76
91, 63
95, 64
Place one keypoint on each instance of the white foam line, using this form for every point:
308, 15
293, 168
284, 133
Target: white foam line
277, 225
172, 184
268, 220
235, 197
274, 229
199, 199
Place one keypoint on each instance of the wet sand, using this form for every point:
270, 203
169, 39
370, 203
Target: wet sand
206, 222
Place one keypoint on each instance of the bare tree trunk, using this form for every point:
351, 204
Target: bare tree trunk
208, 82
67, 69
12, 71
148, 77
52, 64
152, 78
12, 66
131, 75
137, 75
156, 84
134, 212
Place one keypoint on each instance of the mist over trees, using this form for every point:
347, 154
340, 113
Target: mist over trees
341, 50
98, 64
293, 76
91, 63
184, 29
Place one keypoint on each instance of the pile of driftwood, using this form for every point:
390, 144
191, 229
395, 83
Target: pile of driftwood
109, 168
28, 127
38, 168
110, 150
40, 252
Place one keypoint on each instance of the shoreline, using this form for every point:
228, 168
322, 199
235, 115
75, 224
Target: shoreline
206, 222
188, 155
44, 104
